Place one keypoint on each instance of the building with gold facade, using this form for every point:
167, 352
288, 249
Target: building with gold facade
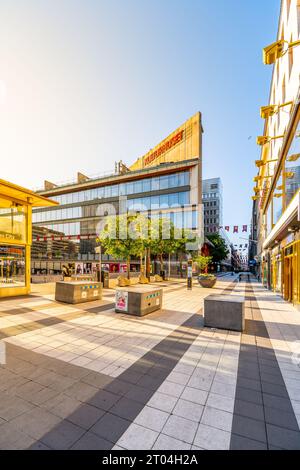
276, 211
165, 182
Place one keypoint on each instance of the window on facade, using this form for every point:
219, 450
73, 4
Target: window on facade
155, 184
163, 201
146, 185
137, 187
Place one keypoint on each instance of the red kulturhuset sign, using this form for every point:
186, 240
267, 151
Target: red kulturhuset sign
164, 147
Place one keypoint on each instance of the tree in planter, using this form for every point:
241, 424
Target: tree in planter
203, 262
219, 250
124, 236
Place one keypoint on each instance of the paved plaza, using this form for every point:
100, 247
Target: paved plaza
83, 377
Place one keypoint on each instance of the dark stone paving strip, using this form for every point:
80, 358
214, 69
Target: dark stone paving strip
108, 406
263, 414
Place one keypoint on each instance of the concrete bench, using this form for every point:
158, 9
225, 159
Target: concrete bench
78, 291
226, 312
138, 300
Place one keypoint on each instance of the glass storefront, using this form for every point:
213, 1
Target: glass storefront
12, 266
12, 221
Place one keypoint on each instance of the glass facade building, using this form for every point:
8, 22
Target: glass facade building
69, 231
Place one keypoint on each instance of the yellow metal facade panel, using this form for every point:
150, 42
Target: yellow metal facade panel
182, 144
15, 237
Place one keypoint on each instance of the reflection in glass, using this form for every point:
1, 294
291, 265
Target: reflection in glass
12, 221
12, 266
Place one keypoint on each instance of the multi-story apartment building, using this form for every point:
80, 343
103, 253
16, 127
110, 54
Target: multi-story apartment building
166, 182
277, 182
212, 197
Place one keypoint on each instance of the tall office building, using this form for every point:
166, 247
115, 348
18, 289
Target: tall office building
212, 198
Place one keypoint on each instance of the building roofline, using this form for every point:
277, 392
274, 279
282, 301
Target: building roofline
117, 178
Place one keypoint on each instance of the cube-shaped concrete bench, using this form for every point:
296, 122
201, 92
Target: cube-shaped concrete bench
78, 291
138, 300
226, 312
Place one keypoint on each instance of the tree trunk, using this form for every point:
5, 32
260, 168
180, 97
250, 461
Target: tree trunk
128, 267
148, 263
161, 260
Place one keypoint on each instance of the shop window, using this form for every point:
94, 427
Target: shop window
12, 221
12, 266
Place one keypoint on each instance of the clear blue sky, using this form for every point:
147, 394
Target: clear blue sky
84, 83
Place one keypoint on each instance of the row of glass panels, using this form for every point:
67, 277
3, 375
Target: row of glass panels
164, 201
133, 187
184, 219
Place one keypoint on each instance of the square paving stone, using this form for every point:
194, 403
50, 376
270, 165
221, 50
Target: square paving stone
97, 380
152, 418
149, 382
188, 410
139, 394
104, 400
90, 441
38, 446
127, 409
244, 443
62, 436
131, 376
280, 403
180, 428
274, 389
81, 391
250, 428
249, 383
138, 438
250, 410
281, 418
245, 394
212, 438
282, 437
164, 442
110, 427
119, 387
162, 402
85, 416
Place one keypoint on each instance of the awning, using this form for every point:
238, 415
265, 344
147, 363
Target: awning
12, 191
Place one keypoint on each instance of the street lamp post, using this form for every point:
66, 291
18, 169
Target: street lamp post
190, 274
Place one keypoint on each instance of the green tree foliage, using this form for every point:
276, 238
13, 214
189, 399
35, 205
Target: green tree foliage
219, 251
125, 236
203, 262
